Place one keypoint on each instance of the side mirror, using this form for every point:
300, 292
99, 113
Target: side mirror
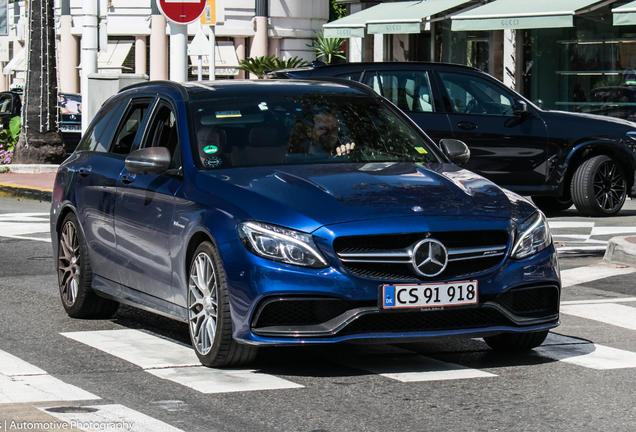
521, 108
455, 150
153, 160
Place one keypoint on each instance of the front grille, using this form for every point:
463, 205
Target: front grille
425, 321
531, 302
300, 312
388, 257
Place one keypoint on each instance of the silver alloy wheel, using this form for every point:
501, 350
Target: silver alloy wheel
69, 262
609, 186
202, 303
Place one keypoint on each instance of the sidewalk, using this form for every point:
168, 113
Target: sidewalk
28, 181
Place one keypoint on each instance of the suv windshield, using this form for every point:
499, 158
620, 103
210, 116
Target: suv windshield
304, 129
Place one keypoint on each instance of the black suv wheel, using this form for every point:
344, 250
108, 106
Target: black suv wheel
599, 187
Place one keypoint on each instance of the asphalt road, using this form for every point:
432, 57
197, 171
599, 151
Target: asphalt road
581, 379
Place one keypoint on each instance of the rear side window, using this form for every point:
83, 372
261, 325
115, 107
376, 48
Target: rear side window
129, 126
409, 90
5, 104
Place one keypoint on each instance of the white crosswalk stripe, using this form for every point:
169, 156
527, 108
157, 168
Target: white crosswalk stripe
177, 363
406, 366
586, 354
111, 417
22, 382
583, 239
609, 313
25, 225
581, 275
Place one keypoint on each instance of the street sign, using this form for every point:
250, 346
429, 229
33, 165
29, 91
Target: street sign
182, 11
208, 17
200, 45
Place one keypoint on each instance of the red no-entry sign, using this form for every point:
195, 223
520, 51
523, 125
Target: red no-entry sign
182, 11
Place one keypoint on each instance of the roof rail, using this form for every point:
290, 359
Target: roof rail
318, 63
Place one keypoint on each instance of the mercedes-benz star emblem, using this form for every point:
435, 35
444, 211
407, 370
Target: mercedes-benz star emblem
430, 258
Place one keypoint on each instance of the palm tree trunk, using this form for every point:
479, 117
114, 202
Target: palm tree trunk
40, 141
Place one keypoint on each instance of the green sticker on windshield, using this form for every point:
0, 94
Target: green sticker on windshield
210, 149
421, 150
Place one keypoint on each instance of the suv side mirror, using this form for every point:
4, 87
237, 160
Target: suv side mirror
455, 150
153, 160
521, 108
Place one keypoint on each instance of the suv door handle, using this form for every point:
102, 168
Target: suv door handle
128, 178
466, 125
85, 171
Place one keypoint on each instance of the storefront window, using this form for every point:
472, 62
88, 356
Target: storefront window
589, 68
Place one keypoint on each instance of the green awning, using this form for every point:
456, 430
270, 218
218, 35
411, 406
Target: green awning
409, 17
354, 24
625, 15
516, 14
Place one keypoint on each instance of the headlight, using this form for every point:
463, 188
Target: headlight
532, 236
281, 244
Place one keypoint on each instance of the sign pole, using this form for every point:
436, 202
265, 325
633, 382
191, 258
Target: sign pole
212, 54
178, 52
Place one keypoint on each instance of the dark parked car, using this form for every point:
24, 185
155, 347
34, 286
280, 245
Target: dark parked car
555, 157
70, 119
294, 213
10, 106
70, 115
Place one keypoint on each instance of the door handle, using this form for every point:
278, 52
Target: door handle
85, 171
466, 125
128, 178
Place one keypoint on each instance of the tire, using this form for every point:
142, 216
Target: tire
209, 319
75, 275
599, 187
552, 204
516, 341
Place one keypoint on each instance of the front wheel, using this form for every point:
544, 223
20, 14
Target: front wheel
599, 187
209, 317
516, 341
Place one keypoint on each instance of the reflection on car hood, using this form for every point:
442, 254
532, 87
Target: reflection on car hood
306, 197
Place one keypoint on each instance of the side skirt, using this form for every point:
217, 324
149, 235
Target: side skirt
114, 291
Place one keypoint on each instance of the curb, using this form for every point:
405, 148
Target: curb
25, 192
621, 250
30, 168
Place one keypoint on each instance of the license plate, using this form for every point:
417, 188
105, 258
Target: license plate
429, 295
70, 128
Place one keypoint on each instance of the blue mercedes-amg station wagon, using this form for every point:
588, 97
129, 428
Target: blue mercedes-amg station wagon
294, 212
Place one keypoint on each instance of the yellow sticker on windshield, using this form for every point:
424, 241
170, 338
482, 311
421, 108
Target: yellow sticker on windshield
226, 114
421, 150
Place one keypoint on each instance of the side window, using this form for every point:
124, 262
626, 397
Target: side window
5, 104
94, 139
354, 76
163, 132
410, 91
473, 95
128, 127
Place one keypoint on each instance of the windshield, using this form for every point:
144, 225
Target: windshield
303, 129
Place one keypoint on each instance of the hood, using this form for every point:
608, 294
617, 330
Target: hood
305, 197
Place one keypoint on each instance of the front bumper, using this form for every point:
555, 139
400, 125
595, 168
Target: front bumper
518, 296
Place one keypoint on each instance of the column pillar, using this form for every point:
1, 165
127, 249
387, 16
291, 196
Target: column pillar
69, 59
158, 45
378, 48
178, 52
239, 45
260, 39
140, 54
510, 58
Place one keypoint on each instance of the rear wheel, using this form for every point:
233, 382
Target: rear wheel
209, 317
516, 341
552, 204
75, 275
599, 187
